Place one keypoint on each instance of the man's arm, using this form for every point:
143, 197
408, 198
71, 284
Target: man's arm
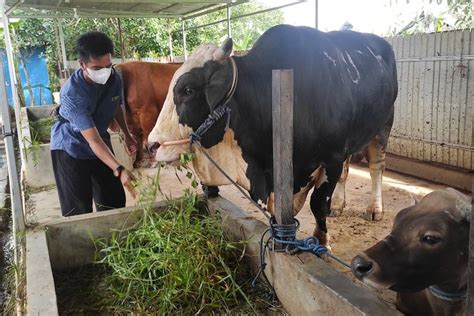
99, 147
103, 152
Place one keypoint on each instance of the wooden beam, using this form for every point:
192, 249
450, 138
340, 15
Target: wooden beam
282, 115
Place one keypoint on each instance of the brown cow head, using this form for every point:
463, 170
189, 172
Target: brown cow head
428, 246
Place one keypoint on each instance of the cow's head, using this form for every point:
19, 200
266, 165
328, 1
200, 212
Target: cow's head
196, 89
428, 246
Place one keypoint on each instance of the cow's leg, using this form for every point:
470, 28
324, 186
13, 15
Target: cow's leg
321, 202
376, 158
338, 200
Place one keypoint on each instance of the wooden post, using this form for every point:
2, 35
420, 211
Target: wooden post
470, 292
282, 114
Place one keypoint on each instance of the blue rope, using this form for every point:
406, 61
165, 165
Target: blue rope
285, 234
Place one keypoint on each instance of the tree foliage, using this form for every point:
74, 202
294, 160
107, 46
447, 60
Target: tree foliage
459, 14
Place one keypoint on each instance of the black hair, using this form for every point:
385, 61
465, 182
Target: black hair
93, 44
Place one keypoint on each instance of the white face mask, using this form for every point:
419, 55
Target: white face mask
99, 76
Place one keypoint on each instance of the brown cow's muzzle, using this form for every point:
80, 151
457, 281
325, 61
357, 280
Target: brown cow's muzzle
361, 266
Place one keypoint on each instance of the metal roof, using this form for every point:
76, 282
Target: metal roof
117, 8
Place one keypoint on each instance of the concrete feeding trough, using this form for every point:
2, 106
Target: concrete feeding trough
37, 158
304, 284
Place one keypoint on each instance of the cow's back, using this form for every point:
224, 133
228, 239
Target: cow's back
345, 85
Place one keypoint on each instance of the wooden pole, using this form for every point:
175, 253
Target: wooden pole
282, 115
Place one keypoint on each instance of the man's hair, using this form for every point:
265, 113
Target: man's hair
93, 44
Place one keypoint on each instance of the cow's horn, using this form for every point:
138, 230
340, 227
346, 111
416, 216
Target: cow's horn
463, 203
224, 51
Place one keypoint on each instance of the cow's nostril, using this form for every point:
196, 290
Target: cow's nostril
361, 266
153, 147
364, 267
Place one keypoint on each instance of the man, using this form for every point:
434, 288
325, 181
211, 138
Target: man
84, 165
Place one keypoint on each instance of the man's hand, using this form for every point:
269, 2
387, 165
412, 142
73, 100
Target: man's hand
126, 177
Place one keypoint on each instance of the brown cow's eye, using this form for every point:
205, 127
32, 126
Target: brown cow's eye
189, 91
430, 239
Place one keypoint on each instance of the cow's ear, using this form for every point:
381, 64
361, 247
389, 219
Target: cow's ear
219, 78
224, 51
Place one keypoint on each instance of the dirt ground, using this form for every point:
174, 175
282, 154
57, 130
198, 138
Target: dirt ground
350, 233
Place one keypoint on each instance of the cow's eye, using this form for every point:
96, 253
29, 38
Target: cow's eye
189, 91
430, 239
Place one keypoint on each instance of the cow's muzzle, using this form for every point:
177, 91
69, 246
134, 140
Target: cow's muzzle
361, 266
152, 148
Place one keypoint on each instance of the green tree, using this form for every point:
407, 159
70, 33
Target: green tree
463, 11
245, 31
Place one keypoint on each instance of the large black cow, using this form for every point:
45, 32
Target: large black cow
344, 89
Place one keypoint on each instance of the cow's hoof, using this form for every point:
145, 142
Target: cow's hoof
374, 215
210, 191
323, 238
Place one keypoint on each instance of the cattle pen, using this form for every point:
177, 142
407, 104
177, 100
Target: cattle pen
432, 138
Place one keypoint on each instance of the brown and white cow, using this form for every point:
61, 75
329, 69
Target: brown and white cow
345, 85
425, 256
145, 87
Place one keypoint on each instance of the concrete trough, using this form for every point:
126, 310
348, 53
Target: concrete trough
39, 170
304, 284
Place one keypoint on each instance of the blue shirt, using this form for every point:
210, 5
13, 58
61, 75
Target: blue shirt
83, 106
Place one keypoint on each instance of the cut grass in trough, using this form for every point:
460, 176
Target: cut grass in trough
176, 260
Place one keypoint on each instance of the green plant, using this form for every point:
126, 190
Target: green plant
175, 260
33, 147
14, 279
41, 129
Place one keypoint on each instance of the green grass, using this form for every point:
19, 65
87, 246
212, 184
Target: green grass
41, 129
40, 132
176, 260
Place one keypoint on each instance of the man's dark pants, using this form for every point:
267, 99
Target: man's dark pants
79, 181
